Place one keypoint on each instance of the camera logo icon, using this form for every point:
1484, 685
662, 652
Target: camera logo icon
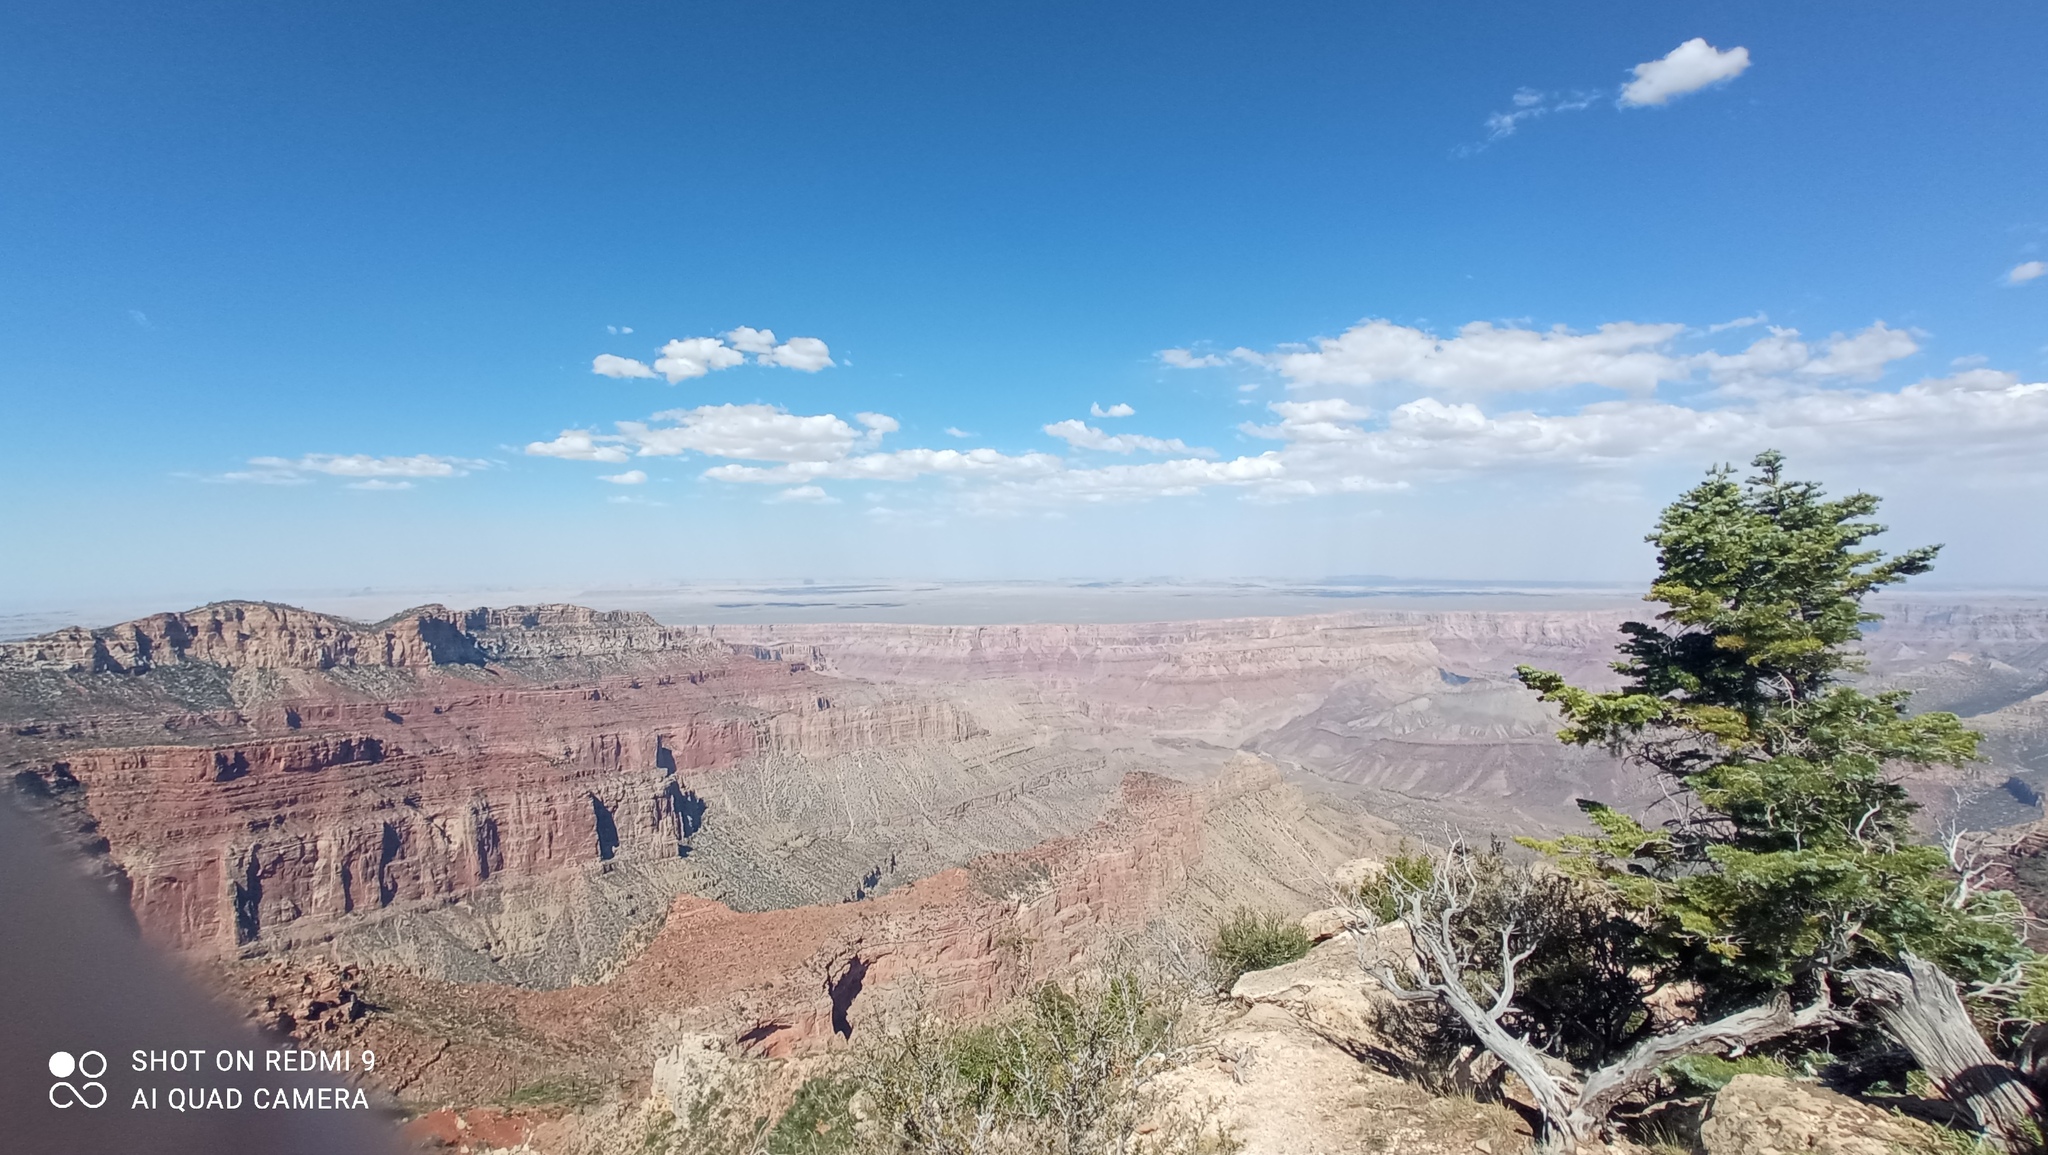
90, 1093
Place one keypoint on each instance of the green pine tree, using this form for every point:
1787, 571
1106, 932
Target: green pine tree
1791, 856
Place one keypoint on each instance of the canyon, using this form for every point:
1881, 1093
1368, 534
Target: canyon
532, 843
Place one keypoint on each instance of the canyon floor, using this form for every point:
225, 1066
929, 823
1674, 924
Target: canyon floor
529, 853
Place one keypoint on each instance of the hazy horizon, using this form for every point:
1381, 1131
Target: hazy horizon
880, 601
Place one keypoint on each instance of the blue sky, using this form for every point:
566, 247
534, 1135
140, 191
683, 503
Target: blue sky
306, 296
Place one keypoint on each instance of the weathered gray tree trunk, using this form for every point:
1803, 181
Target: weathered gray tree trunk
1919, 1007
1576, 1108
1733, 1034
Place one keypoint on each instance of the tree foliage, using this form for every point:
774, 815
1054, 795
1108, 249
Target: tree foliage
1791, 853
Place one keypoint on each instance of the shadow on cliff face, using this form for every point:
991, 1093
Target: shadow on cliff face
845, 987
76, 979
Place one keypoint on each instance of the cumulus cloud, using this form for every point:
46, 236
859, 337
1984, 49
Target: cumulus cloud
691, 357
956, 431
1972, 417
1081, 435
751, 340
1436, 412
1187, 359
580, 445
805, 493
1330, 419
752, 432
1628, 356
1117, 410
687, 358
379, 483
804, 354
1784, 357
755, 432
1482, 358
630, 477
606, 365
1685, 69
2027, 271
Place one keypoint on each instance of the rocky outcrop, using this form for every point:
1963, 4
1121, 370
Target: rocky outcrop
321, 812
1760, 1115
1329, 992
968, 938
263, 635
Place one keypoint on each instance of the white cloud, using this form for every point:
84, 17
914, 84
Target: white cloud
1117, 410
1529, 103
1687, 68
751, 432
1331, 419
1628, 356
1185, 359
630, 477
1738, 323
804, 354
687, 358
899, 465
364, 465
366, 471
956, 431
2022, 273
1861, 356
1430, 419
805, 493
606, 365
751, 340
580, 445
1969, 419
694, 357
754, 432
140, 318
1083, 436
616, 330
1624, 355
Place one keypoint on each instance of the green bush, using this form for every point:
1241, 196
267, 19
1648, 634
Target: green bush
1070, 1072
817, 1121
1706, 1074
1253, 941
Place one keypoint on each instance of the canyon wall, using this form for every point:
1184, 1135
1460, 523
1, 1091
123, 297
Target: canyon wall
287, 819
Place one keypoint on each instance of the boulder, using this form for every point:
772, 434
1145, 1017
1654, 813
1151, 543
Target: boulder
1760, 1115
1328, 991
1328, 923
1349, 876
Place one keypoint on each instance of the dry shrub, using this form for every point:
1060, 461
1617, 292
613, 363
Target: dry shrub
1070, 1073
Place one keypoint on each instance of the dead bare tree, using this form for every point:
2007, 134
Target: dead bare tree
1921, 1008
1444, 966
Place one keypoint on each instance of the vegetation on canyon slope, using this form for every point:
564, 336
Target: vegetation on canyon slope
1785, 894
1069, 1073
1251, 940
